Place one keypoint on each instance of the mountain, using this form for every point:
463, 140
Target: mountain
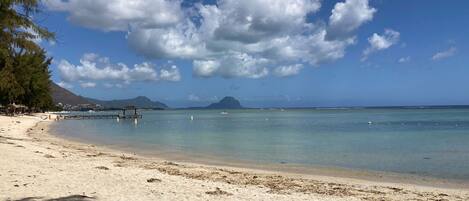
139, 102
227, 102
64, 96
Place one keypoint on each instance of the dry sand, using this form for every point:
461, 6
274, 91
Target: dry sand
35, 165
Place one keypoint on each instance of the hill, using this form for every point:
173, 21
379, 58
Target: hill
227, 102
66, 97
139, 102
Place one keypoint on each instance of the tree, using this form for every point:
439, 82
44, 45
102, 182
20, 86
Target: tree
32, 73
24, 74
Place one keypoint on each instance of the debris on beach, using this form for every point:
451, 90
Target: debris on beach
123, 157
102, 168
49, 156
153, 180
96, 155
218, 191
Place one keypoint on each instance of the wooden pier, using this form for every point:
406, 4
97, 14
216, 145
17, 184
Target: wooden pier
133, 115
102, 116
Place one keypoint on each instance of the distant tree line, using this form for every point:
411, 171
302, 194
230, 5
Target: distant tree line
24, 65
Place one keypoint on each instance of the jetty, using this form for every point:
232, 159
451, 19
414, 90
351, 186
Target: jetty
133, 114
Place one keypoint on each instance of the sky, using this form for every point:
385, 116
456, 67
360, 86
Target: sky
266, 53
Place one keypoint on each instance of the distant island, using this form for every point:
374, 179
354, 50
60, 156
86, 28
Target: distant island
225, 103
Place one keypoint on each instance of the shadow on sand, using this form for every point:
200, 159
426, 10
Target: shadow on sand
66, 198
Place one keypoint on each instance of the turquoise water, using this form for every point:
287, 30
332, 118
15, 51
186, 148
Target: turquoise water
425, 142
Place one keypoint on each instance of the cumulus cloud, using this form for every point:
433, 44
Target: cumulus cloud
179, 42
347, 16
250, 21
171, 74
285, 71
234, 65
444, 54
404, 59
381, 42
205, 68
119, 15
92, 67
232, 38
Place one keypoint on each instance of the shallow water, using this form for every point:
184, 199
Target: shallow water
424, 142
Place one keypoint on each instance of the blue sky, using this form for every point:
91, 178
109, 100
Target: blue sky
264, 52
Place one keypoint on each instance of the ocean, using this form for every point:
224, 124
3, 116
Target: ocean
423, 142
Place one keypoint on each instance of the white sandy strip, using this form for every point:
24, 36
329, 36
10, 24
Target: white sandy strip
39, 169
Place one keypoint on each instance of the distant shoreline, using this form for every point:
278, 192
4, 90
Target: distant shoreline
302, 108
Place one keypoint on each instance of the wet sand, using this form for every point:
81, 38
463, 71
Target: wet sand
39, 166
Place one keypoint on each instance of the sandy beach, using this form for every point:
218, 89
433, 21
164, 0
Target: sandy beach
35, 165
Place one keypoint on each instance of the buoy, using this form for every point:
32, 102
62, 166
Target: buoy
192, 118
370, 122
135, 121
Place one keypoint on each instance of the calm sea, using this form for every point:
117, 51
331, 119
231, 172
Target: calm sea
425, 142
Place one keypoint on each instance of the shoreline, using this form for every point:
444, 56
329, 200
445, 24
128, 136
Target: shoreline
220, 181
290, 169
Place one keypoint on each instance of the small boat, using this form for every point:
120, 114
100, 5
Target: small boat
224, 113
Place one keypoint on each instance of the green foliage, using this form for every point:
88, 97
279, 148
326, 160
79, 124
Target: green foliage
24, 73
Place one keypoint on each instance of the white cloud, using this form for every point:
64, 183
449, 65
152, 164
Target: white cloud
347, 16
290, 70
193, 97
171, 74
88, 84
444, 54
119, 15
232, 38
111, 85
205, 68
65, 85
381, 42
92, 67
234, 65
404, 59
250, 21
181, 41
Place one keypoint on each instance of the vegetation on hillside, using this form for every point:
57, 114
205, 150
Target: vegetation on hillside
24, 66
